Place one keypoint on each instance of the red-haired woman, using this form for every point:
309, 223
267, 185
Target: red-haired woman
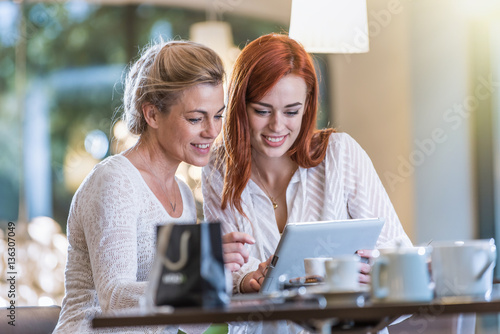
275, 167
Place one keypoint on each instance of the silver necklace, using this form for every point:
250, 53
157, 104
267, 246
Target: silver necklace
172, 205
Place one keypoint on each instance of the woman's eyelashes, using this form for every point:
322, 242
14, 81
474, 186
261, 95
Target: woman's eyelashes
262, 112
267, 112
197, 120
194, 120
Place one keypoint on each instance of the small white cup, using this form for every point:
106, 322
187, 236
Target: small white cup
315, 266
342, 273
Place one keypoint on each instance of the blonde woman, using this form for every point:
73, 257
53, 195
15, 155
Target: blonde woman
174, 102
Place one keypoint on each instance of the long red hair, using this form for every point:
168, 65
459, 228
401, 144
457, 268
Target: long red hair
260, 65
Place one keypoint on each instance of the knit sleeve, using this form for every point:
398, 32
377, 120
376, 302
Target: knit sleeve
108, 214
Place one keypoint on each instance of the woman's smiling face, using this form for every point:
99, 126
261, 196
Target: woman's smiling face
187, 132
275, 120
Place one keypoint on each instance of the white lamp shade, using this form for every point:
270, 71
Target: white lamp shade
330, 26
216, 35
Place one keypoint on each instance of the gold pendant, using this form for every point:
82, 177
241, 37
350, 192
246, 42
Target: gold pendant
275, 205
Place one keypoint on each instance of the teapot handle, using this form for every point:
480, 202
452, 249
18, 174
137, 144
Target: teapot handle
379, 292
491, 259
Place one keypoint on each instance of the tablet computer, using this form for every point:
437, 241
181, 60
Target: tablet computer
318, 239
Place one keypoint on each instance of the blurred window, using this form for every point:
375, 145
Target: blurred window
61, 64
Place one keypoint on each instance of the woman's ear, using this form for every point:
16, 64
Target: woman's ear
151, 114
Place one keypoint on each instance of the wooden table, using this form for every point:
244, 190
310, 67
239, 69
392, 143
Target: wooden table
313, 313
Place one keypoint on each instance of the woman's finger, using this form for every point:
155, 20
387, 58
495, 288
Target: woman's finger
254, 285
365, 268
241, 237
365, 253
263, 267
364, 279
235, 258
236, 247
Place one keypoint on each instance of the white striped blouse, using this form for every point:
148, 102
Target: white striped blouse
344, 186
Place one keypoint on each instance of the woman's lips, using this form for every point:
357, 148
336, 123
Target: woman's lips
202, 148
274, 141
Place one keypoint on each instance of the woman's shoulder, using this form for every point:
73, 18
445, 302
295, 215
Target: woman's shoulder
116, 166
341, 141
340, 138
341, 148
115, 169
112, 177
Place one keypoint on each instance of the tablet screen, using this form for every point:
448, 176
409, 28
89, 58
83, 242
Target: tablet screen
318, 239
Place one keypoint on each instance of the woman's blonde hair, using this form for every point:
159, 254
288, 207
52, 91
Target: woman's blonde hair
162, 73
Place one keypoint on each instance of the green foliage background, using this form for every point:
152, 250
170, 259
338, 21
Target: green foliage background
60, 37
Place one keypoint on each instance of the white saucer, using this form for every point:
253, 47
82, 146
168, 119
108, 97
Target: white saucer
324, 288
341, 297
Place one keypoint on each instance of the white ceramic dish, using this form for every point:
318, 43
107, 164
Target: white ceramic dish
344, 297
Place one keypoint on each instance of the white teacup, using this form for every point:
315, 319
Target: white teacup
401, 275
463, 268
342, 273
315, 266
